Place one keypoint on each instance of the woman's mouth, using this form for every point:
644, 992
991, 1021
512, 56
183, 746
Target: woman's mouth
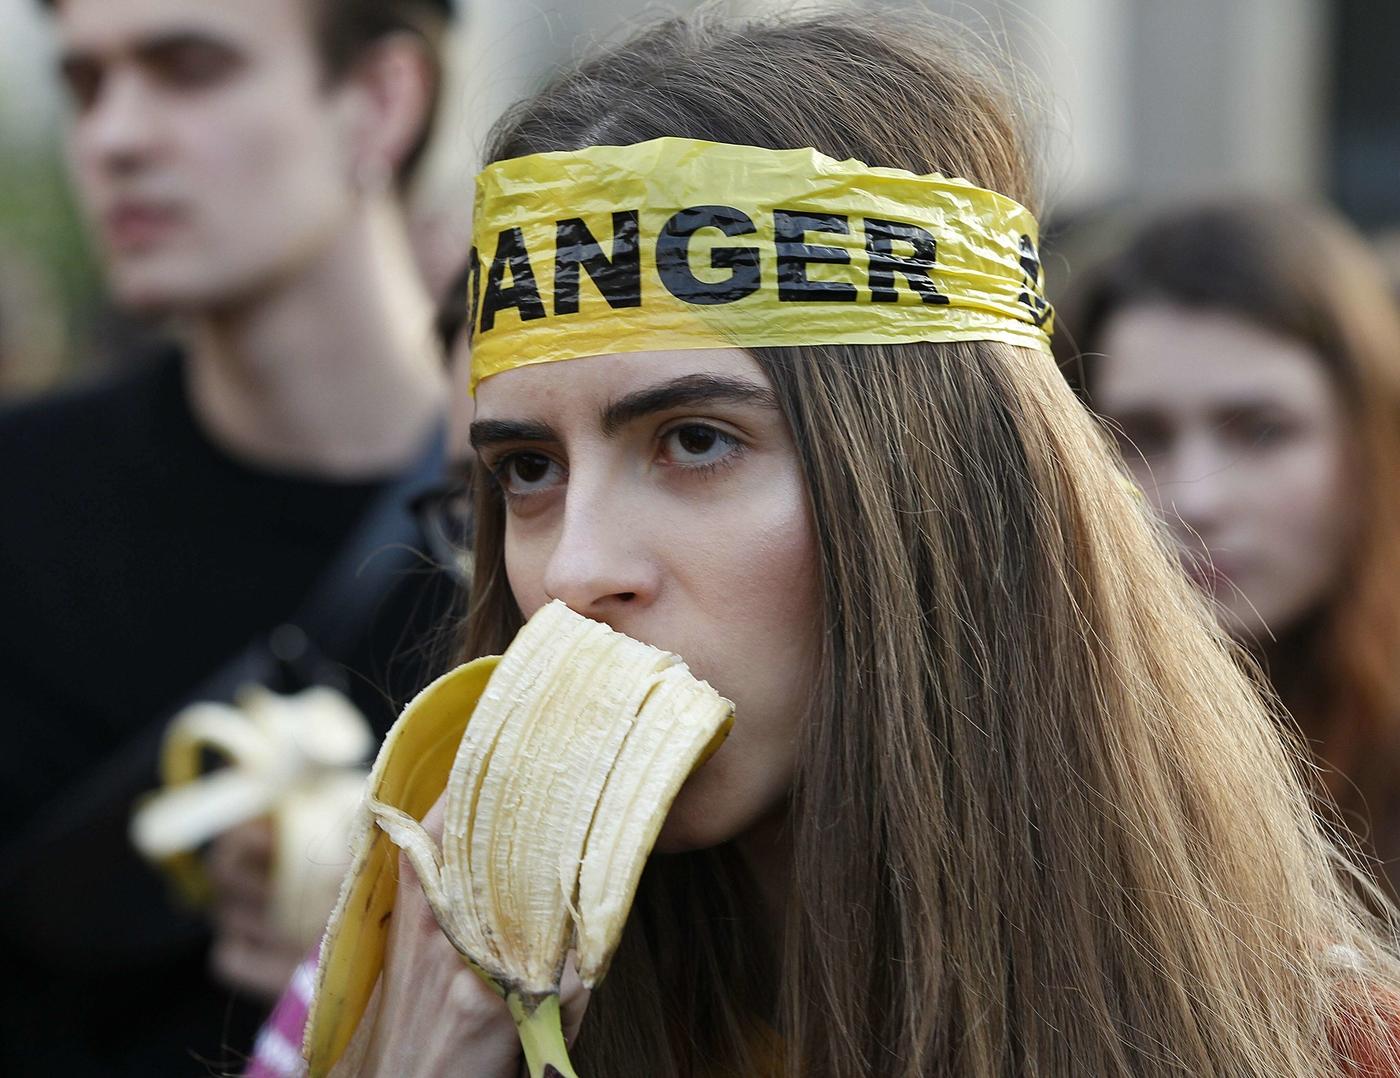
1206, 574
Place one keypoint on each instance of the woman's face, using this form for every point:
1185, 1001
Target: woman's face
1239, 437
660, 493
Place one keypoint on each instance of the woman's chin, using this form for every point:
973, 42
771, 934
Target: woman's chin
667, 843
680, 833
692, 823
687, 822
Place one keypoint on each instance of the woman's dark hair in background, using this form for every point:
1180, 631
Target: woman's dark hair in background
1301, 273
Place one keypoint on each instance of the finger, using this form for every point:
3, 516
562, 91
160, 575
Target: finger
252, 924
249, 843
255, 838
434, 1012
260, 971
414, 924
573, 999
240, 889
432, 822
411, 899
246, 850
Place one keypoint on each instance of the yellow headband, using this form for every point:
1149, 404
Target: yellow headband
676, 243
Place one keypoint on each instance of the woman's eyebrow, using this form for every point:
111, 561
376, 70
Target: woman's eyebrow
489, 432
688, 390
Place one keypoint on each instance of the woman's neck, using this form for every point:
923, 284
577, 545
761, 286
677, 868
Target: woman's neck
1290, 661
766, 851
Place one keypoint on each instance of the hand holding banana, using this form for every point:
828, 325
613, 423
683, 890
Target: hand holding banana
434, 1016
559, 762
295, 759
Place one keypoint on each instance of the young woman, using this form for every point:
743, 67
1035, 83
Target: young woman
1247, 355
997, 800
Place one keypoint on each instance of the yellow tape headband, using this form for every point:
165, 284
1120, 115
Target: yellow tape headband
678, 243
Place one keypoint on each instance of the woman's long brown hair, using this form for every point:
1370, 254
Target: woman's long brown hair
1042, 823
1301, 272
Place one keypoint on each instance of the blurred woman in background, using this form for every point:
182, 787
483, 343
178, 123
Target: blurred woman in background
1246, 353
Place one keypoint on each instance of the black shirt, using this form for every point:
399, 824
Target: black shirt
135, 558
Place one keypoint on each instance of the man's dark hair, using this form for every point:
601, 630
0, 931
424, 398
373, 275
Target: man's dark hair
454, 310
346, 29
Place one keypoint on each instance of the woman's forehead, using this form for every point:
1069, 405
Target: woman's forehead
1164, 353
588, 383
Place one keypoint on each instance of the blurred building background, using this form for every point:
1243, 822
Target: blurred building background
1146, 101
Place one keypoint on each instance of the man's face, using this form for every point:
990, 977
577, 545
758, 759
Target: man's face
211, 158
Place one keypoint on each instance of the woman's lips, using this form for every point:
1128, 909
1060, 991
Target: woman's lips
136, 226
1210, 576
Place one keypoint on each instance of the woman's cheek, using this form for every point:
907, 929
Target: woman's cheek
525, 568
761, 592
749, 776
729, 794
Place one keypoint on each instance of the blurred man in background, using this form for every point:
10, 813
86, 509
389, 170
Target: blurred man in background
242, 166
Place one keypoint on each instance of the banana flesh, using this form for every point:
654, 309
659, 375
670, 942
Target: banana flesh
297, 759
578, 741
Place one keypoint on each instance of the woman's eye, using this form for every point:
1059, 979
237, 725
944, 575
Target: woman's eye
1269, 432
527, 473
697, 443
1140, 437
1259, 431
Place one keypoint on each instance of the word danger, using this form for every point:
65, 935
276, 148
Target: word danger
898, 255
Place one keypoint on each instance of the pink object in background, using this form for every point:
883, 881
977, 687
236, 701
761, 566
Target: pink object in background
277, 1051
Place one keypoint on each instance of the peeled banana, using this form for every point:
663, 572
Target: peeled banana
298, 759
578, 741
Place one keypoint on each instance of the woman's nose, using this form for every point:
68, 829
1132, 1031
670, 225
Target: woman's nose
602, 564
1197, 483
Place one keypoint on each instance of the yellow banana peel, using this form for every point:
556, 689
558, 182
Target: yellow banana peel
554, 793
